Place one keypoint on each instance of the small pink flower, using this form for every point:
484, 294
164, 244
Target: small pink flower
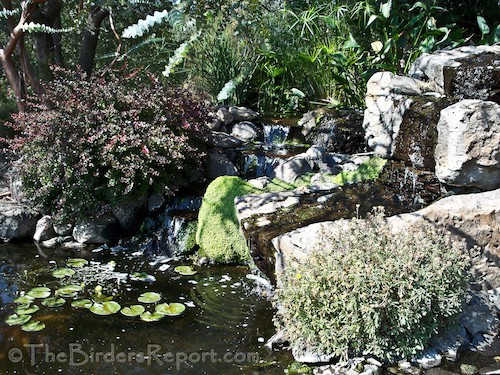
145, 150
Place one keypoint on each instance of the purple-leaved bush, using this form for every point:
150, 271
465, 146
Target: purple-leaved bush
106, 140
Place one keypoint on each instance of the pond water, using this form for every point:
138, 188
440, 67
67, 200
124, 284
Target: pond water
222, 330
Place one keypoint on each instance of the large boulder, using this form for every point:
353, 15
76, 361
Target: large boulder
44, 229
129, 211
468, 144
290, 169
17, 221
99, 230
220, 165
471, 72
246, 131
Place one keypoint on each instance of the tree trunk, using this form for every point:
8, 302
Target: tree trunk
90, 38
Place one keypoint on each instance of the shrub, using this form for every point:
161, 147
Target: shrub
368, 291
219, 235
106, 140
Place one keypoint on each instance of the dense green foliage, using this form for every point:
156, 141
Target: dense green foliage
219, 235
101, 143
367, 291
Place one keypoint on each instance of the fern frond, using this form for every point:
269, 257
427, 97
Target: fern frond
179, 55
33, 27
6, 13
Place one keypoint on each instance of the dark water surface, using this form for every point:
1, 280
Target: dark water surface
222, 331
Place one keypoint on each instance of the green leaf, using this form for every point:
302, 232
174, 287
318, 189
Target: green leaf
372, 19
496, 35
483, 25
27, 310
53, 302
149, 297
33, 326
24, 299
39, 292
350, 43
385, 9
15, 319
418, 4
172, 309
148, 317
105, 308
82, 304
76, 262
68, 290
185, 270
134, 310
63, 272
377, 46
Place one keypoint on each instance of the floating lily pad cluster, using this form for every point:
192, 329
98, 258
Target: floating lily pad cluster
99, 304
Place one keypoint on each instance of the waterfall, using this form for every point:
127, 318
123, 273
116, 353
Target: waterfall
275, 135
258, 165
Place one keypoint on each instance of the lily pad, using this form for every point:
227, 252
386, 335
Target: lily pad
24, 299
149, 297
134, 310
185, 270
53, 302
68, 290
172, 309
15, 319
33, 326
148, 317
105, 308
27, 310
82, 304
76, 262
63, 272
142, 276
39, 292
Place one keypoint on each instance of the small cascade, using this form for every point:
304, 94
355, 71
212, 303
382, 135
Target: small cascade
275, 135
258, 165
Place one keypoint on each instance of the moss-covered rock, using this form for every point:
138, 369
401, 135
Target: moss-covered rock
218, 234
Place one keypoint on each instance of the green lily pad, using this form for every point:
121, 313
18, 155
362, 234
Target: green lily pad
39, 292
105, 308
24, 299
33, 326
63, 272
172, 309
68, 290
53, 302
148, 317
76, 262
82, 304
149, 297
15, 319
27, 310
185, 270
134, 310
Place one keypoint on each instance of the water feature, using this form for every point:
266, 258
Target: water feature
222, 330
275, 135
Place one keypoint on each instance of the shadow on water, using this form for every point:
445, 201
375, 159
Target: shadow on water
221, 332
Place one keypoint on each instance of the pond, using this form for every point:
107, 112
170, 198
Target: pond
222, 331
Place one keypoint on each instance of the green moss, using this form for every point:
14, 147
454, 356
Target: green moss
368, 170
218, 233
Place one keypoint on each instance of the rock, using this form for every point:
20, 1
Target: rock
277, 341
475, 217
468, 145
479, 317
261, 204
407, 368
220, 165
224, 140
471, 72
429, 358
260, 182
467, 369
494, 297
387, 98
450, 342
292, 168
243, 114
490, 370
337, 131
72, 245
316, 154
155, 202
102, 229
129, 210
370, 370
439, 371
63, 229
246, 131
225, 116
17, 221
305, 356
215, 124
488, 345
44, 229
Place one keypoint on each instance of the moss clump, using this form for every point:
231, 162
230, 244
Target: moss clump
370, 292
218, 234
368, 170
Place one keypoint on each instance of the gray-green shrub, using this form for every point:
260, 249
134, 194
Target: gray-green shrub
368, 291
